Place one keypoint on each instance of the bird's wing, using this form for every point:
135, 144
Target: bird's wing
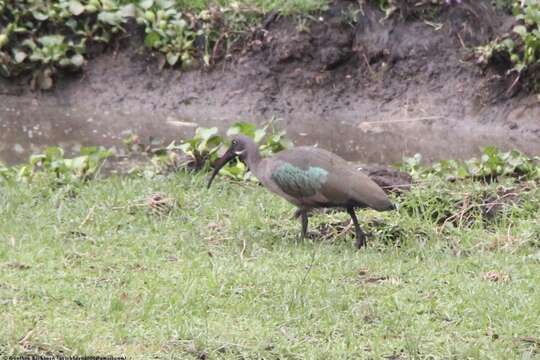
318, 177
299, 181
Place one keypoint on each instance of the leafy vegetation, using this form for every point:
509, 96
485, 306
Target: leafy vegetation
207, 145
168, 31
43, 37
52, 166
197, 153
520, 48
63, 29
493, 164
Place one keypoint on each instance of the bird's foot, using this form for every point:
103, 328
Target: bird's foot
360, 241
311, 235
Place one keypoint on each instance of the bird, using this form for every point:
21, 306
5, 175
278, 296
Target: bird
309, 178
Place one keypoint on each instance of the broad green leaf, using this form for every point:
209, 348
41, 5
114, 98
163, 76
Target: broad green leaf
213, 142
242, 128
30, 43
79, 163
146, 4
89, 150
490, 151
65, 62
151, 39
462, 172
172, 58
259, 134
165, 4
520, 30
35, 159
206, 133
76, 8
39, 16
54, 152
109, 5
24, 172
66, 163
235, 169
51, 40
520, 67
19, 56
111, 18
4, 39
77, 60
509, 44
72, 24
128, 10
185, 147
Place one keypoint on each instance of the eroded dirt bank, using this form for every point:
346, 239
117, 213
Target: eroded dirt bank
372, 91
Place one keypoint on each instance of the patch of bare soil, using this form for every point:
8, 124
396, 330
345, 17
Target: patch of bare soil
371, 89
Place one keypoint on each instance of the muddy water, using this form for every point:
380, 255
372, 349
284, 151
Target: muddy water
27, 125
430, 101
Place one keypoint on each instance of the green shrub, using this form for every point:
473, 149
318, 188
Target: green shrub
521, 47
492, 164
51, 165
45, 36
41, 37
204, 148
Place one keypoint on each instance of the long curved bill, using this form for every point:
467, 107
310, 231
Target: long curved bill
221, 162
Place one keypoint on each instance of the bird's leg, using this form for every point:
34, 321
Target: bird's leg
360, 236
304, 219
302, 214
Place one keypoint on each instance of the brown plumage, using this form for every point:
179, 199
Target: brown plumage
309, 178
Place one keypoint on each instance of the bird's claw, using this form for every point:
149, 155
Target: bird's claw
360, 241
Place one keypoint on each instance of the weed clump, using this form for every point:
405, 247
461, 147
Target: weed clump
517, 53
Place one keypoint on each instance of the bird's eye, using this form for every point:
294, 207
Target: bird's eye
234, 142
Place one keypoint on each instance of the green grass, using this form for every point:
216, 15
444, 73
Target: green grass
91, 271
286, 7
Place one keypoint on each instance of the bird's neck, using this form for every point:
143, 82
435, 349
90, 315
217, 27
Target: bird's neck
253, 160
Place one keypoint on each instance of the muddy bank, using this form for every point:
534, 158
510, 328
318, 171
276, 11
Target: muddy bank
371, 90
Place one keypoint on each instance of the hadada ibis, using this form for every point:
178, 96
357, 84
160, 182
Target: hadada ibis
309, 178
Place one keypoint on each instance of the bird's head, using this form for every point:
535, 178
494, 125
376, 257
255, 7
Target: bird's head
240, 147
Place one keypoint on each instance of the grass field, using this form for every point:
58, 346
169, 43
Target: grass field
91, 270
283, 6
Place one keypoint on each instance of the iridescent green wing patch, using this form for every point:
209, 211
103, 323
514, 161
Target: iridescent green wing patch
296, 182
